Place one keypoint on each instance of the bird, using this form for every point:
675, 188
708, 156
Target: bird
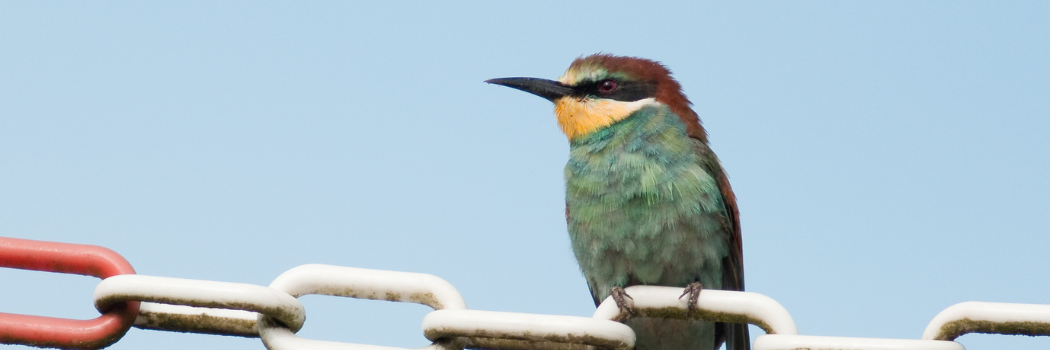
647, 200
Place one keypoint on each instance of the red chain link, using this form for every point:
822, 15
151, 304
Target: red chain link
65, 333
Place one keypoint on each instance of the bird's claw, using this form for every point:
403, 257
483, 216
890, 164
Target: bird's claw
693, 290
620, 297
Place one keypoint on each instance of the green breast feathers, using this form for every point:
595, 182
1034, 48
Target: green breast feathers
633, 190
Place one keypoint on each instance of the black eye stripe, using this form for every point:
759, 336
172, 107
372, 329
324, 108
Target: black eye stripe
625, 90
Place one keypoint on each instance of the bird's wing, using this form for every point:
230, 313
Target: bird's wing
735, 335
733, 263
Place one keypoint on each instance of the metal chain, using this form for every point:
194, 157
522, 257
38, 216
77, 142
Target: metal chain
274, 314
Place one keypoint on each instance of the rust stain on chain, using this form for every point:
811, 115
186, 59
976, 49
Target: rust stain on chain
281, 314
199, 324
485, 339
426, 298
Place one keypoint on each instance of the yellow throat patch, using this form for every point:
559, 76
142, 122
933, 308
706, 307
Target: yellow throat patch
581, 116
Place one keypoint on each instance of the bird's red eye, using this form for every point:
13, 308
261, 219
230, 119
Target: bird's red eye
607, 86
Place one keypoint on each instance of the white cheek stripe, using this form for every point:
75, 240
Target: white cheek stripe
634, 106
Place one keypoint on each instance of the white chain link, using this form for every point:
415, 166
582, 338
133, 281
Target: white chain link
508, 330
356, 283
274, 314
203, 294
712, 305
795, 342
983, 317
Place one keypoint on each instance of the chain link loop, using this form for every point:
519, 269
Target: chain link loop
358, 283
69, 258
198, 293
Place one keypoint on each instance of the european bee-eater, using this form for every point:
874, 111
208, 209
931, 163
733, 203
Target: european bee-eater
647, 201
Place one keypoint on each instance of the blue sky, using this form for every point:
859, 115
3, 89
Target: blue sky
890, 158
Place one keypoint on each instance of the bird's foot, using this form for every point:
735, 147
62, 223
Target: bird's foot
620, 297
693, 290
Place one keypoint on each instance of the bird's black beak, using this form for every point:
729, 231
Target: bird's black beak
548, 89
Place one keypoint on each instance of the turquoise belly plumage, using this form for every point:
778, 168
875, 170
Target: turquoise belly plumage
643, 211
633, 190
